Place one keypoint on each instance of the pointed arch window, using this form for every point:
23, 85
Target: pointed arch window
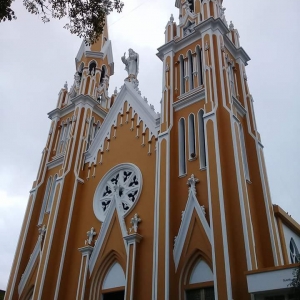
103, 74
244, 153
192, 141
51, 195
231, 79
202, 143
181, 145
182, 75
45, 200
91, 133
92, 68
199, 65
200, 280
191, 70
113, 286
294, 252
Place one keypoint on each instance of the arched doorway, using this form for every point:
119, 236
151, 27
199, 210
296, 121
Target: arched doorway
199, 283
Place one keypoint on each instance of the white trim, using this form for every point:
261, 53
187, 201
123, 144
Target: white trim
56, 161
16, 270
80, 99
100, 187
33, 258
140, 107
156, 219
104, 231
194, 96
191, 205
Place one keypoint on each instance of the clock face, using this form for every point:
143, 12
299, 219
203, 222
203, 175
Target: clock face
122, 184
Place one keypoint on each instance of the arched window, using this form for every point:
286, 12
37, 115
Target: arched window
80, 69
200, 65
191, 70
244, 153
61, 138
113, 285
294, 252
181, 144
202, 145
182, 75
231, 79
51, 195
92, 68
191, 3
103, 74
91, 133
199, 285
45, 200
192, 142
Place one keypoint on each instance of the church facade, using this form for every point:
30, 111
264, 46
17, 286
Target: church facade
133, 204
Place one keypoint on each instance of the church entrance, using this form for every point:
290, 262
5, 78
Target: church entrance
114, 296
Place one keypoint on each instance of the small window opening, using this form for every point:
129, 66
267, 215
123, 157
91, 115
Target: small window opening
114, 296
182, 75
181, 144
92, 68
202, 145
192, 143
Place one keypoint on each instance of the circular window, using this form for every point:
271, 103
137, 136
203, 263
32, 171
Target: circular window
122, 184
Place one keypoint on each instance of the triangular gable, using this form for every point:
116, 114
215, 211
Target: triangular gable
192, 204
139, 106
104, 230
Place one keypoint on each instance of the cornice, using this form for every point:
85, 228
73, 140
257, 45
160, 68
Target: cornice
209, 24
55, 162
80, 99
286, 219
236, 52
189, 98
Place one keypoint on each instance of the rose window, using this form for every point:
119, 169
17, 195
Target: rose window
122, 184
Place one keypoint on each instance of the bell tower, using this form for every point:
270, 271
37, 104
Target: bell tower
208, 131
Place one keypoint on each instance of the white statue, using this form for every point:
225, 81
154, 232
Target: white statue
135, 223
77, 79
131, 63
90, 234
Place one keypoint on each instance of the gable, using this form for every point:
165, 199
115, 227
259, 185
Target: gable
127, 100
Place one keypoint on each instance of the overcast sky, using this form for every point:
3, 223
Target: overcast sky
36, 59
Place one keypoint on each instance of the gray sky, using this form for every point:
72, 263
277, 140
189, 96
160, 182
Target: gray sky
36, 59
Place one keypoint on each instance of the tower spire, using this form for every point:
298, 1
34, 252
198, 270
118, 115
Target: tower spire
94, 66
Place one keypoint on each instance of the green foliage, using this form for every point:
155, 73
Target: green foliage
86, 17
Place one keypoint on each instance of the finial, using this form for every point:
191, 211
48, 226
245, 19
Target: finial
135, 223
152, 106
116, 91
90, 234
172, 18
66, 85
192, 183
231, 26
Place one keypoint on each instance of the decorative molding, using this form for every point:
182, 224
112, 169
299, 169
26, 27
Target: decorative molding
125, 179
240, 108
133, 238
139, 106
56, 161
192, 204
84, 99
33, 258
189, 98
103, 232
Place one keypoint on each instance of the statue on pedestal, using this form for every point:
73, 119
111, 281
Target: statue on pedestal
131, 63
